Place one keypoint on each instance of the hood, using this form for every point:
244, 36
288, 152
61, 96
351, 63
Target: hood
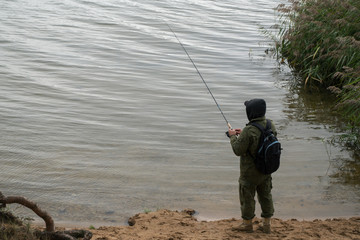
255, 108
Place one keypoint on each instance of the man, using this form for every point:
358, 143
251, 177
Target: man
244, 144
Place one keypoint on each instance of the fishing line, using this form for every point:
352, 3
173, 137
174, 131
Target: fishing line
227, 122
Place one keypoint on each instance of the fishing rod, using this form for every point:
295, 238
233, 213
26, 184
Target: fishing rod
227, 122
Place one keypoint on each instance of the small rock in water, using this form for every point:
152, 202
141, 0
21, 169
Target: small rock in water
189, 211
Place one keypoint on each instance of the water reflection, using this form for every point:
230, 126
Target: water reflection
311, 106
346, 171
317, 108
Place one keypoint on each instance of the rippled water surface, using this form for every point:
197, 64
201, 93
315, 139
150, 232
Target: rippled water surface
102, 115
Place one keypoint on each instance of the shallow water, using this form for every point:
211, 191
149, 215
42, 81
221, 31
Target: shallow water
103, 115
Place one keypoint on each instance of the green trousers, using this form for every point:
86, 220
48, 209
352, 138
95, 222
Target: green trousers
247, 192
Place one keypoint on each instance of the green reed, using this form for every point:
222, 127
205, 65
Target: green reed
320, 39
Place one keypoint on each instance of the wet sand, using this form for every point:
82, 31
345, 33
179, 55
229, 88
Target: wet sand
166, 224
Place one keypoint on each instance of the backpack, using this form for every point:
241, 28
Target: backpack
267, 159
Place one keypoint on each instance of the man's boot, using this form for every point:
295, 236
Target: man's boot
266, 225
245, 226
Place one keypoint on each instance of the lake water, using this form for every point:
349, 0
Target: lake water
102, 115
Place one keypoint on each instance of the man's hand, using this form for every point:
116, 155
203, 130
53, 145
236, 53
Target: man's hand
233, 132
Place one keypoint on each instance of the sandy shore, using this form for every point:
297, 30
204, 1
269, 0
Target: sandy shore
166, 224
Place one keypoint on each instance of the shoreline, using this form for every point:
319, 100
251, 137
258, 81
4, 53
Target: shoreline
170, 224
197, 216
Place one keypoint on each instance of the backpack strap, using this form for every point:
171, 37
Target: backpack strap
261, 128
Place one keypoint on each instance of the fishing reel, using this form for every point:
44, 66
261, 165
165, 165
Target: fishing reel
227, 134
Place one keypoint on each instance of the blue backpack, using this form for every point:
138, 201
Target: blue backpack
267, 159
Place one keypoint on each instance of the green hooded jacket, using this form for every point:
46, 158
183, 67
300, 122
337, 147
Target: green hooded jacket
245, 145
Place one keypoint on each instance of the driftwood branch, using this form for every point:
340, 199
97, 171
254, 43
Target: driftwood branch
50, 226
66, 235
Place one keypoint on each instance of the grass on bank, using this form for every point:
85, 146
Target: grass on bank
320, 39
14, 228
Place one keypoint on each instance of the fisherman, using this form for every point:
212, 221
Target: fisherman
244, 143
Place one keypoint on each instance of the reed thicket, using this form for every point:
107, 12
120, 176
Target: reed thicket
320, 39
